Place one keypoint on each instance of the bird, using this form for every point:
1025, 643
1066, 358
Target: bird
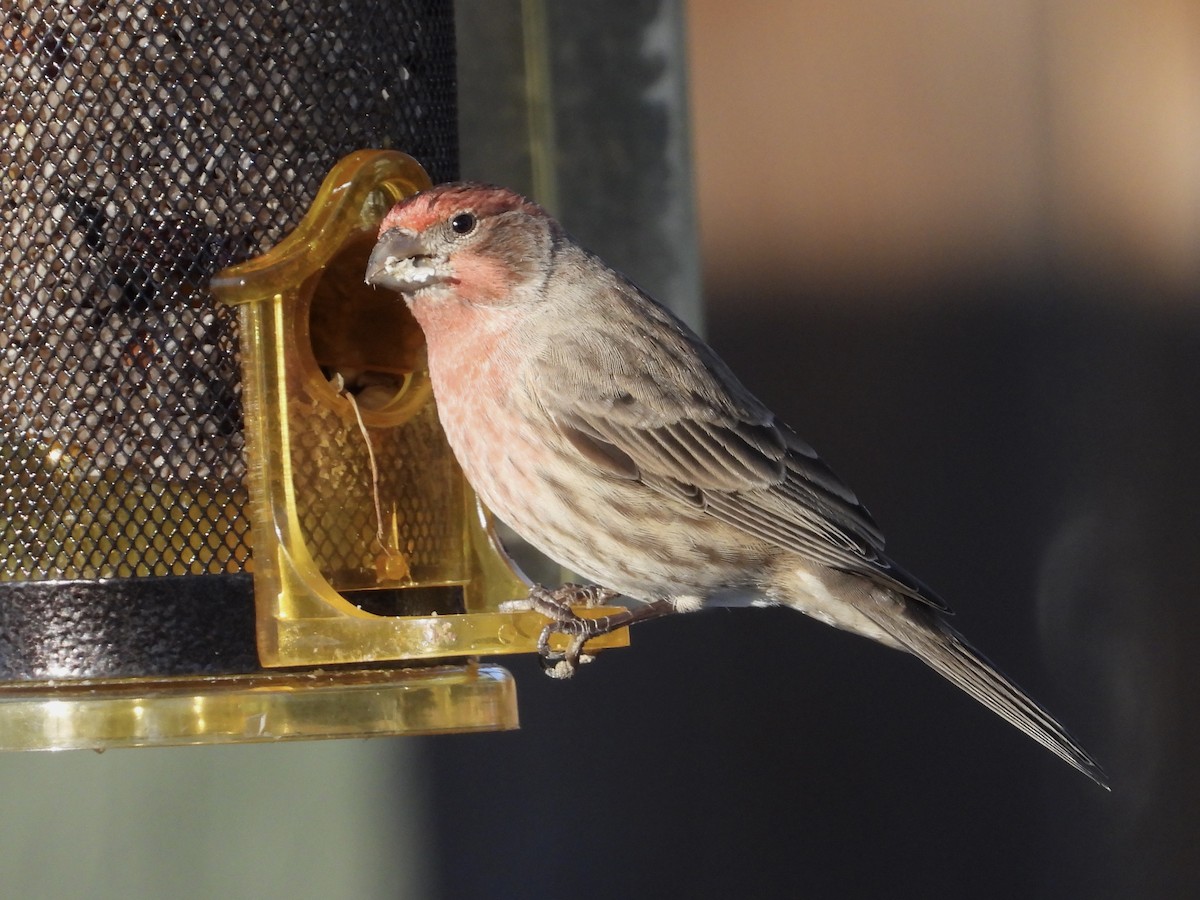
606, 433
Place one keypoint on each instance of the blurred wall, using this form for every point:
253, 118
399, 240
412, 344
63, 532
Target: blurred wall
291, 821
850, 146
958, 247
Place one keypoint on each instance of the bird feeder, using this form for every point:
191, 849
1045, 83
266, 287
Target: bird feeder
147, 597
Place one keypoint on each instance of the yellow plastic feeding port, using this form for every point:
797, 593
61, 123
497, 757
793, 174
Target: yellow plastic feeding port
368, 544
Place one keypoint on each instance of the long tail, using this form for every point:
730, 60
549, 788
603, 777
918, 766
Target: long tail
947, 652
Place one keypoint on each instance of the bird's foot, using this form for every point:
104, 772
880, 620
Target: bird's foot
557, 603
556, 606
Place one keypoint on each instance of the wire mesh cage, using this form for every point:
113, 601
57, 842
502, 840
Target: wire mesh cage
143, 146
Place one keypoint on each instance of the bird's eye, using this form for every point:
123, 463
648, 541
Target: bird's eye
463, 223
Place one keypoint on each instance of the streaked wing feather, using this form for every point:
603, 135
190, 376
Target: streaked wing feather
662, 408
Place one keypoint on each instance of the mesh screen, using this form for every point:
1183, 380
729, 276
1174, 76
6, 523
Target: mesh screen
144, 145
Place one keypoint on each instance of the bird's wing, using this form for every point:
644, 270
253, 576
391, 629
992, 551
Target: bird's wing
653, 403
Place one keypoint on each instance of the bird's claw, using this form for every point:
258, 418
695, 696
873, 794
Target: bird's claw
557, 603
563, 664
556, 606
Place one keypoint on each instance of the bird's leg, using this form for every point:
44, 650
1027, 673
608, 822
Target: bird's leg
581, 630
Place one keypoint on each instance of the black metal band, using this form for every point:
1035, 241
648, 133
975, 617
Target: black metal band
126, 627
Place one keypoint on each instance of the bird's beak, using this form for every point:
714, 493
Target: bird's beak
401, 262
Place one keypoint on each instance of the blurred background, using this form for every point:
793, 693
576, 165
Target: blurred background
957, 247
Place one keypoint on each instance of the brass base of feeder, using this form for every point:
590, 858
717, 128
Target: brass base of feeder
238, 709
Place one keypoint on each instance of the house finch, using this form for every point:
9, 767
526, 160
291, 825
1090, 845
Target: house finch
613, 439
